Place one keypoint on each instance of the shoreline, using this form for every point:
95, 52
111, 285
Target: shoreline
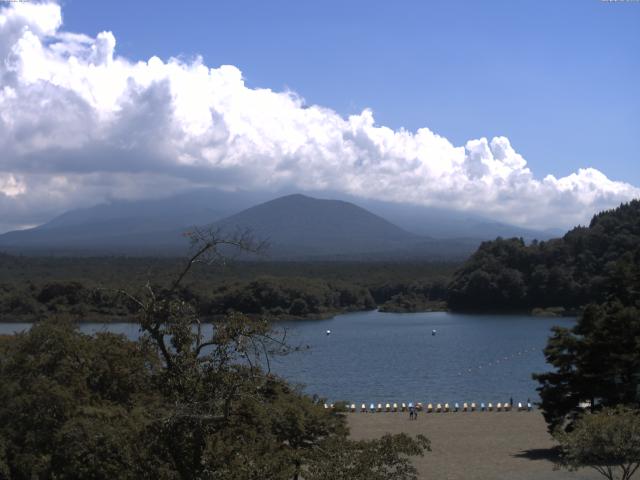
312, 317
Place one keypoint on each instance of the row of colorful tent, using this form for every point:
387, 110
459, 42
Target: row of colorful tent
439, 407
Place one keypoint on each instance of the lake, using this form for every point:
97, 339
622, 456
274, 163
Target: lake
393, 357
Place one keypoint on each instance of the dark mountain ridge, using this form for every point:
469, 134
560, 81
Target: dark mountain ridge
297, 226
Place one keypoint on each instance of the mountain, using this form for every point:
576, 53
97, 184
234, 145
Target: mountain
444, 223
297, 226
140, 227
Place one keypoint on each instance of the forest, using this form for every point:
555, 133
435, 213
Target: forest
89, 289
593, 264
597, 263
596, 362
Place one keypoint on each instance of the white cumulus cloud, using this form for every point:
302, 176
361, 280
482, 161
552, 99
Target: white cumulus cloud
79, 124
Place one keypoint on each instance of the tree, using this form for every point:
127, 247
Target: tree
607, 441
186, 401
230, 417
71, 402
597, 361
599, 263
387, 458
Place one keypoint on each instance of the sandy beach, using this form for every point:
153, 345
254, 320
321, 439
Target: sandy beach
475, 446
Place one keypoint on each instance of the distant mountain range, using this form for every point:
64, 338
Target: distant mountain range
296, 227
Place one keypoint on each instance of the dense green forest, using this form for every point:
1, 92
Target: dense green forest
598, 263
597, 361
87, 289
175, 404
590, 264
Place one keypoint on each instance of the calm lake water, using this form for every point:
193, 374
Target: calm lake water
390, 357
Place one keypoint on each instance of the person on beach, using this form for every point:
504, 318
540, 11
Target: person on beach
411, 413
415, 414
511, 402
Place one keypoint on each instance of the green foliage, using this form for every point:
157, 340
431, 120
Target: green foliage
295, 297
597, 361
384, 459
62, 390
77, 406
86, 288
174, 405
607, 441
595, 264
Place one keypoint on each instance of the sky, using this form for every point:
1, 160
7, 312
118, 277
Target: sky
525, 111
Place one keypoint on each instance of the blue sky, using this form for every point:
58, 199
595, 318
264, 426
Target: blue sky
560, 79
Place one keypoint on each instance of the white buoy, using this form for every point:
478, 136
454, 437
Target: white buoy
328, 332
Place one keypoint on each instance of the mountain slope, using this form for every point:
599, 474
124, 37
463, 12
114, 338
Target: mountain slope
299, 225
151, 226
442, 223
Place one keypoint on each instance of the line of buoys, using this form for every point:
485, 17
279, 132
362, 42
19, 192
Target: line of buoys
497, 361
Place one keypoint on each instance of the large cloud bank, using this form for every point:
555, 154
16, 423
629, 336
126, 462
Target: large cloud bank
79, 124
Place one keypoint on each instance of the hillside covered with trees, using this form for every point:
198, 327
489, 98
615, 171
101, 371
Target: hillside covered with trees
593, 391
86, 289
597, 263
